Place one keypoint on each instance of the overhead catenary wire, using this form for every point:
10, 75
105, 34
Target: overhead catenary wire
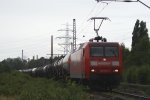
87, 17
101, 10
90, 15
127, 1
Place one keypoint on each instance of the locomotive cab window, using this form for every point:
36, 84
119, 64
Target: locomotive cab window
111, 51
105, 51
97, 51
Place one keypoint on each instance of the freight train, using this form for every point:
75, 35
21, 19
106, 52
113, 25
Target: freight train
96, 63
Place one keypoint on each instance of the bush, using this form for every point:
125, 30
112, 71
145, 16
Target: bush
12, 83
50, 90
28, 88
4, 68
139, 75
130, 75
144, 75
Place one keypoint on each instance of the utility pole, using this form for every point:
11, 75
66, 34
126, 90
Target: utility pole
51, 49
37, 57
52, 53
22, 56
74, 36
67, 39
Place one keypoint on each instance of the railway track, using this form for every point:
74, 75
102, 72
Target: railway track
116, 95
135, 85
131, 95
139, 89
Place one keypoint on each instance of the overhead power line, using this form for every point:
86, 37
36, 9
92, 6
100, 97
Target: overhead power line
82, 28
126, 1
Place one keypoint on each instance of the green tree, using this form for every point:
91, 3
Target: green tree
13, 64
140, 44
4, 68
125, 54
135, 34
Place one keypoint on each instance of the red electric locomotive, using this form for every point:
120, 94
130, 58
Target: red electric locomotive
96, 62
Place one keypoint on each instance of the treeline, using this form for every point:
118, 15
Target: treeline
137, 60
17, 63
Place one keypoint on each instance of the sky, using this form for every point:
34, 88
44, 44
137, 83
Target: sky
28, 24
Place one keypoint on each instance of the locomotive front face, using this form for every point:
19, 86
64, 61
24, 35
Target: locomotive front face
105, 63
105, 59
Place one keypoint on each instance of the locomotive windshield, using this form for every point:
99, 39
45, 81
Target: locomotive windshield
106, 51
97, 51
111, 51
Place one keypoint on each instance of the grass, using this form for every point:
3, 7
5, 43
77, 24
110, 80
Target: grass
19, 86
7, 98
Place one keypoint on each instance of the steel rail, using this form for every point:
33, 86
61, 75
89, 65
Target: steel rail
135, 85
132, 95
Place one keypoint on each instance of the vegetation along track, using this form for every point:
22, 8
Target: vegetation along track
131, 95
139, 86
139, 89
116, 95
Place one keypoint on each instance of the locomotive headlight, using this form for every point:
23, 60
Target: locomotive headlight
93, 63
116, 70
92, 70
115, 63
